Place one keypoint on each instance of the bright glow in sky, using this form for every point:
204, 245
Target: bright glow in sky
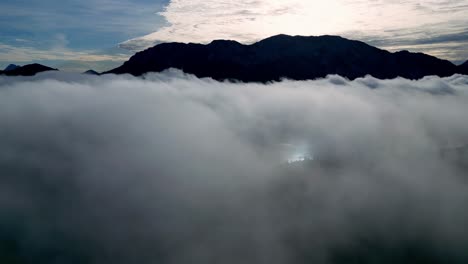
250, 20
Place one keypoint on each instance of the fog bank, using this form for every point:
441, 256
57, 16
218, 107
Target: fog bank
170, 168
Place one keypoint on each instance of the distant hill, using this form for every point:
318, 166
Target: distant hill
28, 70
283, 56
91, 72
11, 67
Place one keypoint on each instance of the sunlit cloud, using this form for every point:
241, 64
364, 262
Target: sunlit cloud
250, 20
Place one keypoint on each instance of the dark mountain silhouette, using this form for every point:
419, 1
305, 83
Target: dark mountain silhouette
282, 56
91, 72
463, 68
11, 67
28, 70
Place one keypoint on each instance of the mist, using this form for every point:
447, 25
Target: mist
169, 168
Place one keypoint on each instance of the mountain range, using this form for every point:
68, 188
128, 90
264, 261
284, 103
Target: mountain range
275, 58
283, 56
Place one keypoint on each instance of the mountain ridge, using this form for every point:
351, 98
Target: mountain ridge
28, 70
91, 72
283, 56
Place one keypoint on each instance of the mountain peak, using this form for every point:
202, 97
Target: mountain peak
11, 67
281, 38
223, 42
91, 72
298, 38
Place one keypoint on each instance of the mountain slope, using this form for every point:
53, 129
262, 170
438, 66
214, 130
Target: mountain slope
463, 68
282, 56
28, 70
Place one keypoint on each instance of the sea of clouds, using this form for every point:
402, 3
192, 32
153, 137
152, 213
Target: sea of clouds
170, 168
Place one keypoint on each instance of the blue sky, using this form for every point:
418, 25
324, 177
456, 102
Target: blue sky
69, 29
100, 34
86, 23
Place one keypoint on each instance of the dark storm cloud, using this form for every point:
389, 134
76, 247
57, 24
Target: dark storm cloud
175, 169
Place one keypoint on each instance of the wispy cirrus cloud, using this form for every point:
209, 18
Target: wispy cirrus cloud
24, 54
61, 56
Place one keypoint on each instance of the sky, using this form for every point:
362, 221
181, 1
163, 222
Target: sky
101, 34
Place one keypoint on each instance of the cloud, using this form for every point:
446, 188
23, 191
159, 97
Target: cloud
444, 40
171, 169
248, 21
11, 53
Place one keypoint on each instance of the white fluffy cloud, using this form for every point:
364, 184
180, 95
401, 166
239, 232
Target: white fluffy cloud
175, 169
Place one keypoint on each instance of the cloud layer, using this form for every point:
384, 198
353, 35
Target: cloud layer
172, 169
